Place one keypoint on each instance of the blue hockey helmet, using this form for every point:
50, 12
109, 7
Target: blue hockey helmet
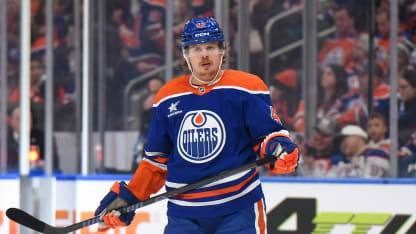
202, 30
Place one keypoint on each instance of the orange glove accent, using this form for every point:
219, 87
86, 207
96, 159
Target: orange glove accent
112, 220
288, 160
288, 164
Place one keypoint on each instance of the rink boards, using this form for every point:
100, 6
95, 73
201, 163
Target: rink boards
294, 204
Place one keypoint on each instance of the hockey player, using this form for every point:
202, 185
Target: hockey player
204, 123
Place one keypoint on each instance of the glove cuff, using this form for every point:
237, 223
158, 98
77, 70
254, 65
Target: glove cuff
281, 133
126, 194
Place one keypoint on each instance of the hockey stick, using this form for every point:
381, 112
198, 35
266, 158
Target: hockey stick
31, 222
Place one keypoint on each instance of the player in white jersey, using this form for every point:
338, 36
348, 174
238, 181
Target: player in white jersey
204, 123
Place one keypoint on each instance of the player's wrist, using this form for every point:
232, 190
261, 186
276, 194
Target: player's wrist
126, 194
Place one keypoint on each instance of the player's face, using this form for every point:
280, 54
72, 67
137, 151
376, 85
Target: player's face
205, 59
377, 129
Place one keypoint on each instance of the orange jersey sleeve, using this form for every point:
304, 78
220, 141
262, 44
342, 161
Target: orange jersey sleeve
148, 179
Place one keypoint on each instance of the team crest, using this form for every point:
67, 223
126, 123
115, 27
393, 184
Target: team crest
201, 136
335, 56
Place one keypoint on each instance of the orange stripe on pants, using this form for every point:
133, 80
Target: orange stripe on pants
261, 219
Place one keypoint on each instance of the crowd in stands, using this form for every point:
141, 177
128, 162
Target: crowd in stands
349, 140
63, 82
135, 44
36, 141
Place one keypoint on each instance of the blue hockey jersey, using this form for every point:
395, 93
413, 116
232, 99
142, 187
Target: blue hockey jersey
198, 132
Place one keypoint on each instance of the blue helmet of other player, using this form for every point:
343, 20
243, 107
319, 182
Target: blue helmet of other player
202, 30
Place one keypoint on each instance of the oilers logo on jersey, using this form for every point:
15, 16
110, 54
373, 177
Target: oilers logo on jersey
201, 136
335, 56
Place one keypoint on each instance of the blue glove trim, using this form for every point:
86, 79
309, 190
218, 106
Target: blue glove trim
126, 195
119, 189
288, 144
105, 202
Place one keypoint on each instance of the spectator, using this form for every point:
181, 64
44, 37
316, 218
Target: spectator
404, 56
12, 75
37, 85
283, 95
306, 168
408, 13
360, 51
407, 105
37, 79
382, 38
64, 106
339, 49
13, 28
38, 30
202, 8
153, 87
36, 143
407, 158
143, 33
360, 160
182, 12
377, 132
352, 108
116, 85
299, 122
404, 50
359, 56
140, 28
332, 86
322, 149
412, 59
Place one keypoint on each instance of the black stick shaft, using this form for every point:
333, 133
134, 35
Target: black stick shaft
27, 220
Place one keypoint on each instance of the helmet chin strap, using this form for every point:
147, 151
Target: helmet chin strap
196, 78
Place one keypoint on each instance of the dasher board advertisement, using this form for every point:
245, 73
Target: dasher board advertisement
294, 205
9, 197
356, 207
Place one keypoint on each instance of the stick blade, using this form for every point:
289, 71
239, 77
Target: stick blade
25, 219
